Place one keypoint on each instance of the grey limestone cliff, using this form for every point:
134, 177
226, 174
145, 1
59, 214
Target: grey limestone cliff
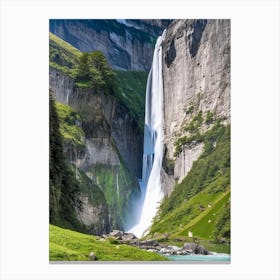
111, 154
127, 44
196, 75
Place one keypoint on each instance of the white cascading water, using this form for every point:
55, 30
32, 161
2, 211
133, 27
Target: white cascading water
153, 143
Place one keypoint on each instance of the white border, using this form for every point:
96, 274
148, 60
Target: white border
24, 138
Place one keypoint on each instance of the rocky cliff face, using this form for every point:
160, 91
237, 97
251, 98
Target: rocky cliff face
196, 74
127, 44
94, 217
112, 152
104, 121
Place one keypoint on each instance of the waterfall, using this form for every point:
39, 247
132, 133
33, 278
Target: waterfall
153, 143
118, 188
67, 96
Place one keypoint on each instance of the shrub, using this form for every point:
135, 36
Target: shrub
209, 117
113, 240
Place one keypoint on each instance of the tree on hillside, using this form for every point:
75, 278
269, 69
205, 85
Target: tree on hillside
83, 70
64, 189
94, 68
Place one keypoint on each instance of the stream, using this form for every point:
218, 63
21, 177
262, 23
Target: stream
215, 258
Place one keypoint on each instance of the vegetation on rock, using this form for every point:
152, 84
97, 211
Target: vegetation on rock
64, 189
130, 88
91, 70
94, 71
69, 121
200, 203
63, 56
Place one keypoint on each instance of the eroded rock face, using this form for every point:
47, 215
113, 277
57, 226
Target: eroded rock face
104, 121
196, 75
95, 217
63, 85
111, 155
127, 44
185, 160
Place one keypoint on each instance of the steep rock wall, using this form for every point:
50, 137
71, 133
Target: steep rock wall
196, 75
127, 45
104, 120
112, 152
94, 217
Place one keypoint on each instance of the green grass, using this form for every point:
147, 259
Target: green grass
63, 56
207, 183
215, 247
187, 211
68, 245
200, 226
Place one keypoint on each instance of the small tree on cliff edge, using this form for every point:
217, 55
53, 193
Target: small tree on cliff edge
94, 68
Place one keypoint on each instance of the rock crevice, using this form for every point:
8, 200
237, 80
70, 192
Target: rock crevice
196, 76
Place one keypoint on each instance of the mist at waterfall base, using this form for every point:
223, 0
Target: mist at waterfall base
153, 145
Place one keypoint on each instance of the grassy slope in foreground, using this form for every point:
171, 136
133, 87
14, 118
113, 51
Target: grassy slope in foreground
68, 245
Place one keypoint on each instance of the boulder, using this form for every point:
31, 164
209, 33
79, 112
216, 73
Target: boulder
128, 237
195, 248
117, 234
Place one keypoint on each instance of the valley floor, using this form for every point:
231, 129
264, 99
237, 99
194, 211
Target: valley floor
68, 245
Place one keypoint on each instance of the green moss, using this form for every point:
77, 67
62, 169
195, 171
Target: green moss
130, 90
68, 245
85, 84
119, 189
69, 128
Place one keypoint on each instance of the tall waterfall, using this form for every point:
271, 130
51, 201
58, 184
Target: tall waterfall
153, 143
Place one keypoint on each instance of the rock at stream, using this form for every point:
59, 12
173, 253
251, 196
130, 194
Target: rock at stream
152, 245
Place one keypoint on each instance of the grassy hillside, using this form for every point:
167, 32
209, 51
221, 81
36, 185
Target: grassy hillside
68, 245
63, 56
200, 203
